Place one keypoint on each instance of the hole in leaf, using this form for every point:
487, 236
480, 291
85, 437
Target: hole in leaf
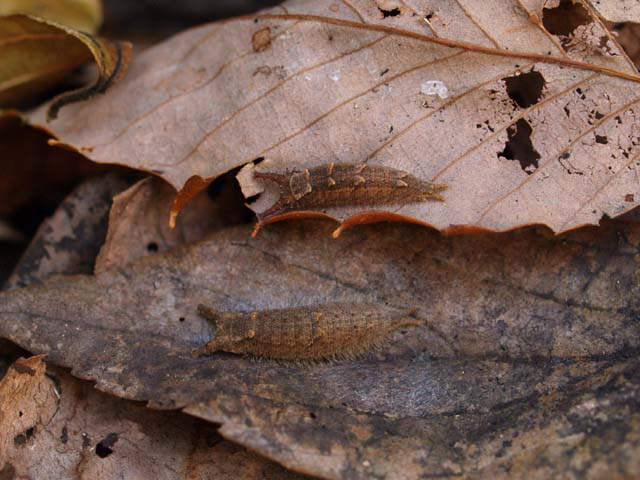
152, 247
64, 435
225, 191
525, 89
602, 139
520, 148
394, 12
103, 447
213, 438
181, 319
22, 438
565, 18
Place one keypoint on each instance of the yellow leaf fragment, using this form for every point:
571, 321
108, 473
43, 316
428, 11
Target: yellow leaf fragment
84, 15
37, 54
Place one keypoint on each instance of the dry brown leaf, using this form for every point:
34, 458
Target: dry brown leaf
28, 401
529, 340
56, 426
526, 126
69, 241
83, 15
31, 171
618, 10
138, 223
37, 54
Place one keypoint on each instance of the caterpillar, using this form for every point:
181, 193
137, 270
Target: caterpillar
334, 330
344, 184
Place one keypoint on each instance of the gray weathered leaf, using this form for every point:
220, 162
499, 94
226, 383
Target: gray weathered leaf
527, 339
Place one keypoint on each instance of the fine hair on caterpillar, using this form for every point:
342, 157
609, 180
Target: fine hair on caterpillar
305, 333
346, 184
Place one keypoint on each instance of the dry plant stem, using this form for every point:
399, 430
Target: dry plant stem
306, 333
335, 185
456, 44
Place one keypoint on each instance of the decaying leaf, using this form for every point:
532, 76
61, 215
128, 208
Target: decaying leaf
37, 53
517, 326
138, 223
83, 15
55, 426
69, 241
28, 400
526, 121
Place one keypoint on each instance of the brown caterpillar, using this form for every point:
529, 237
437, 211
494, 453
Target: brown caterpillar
343, 184
337, 330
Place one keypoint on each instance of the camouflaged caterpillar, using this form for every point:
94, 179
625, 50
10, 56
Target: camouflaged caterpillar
335, 330
344, 184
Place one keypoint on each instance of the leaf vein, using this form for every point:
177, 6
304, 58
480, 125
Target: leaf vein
511, 123
585, 204
535, 174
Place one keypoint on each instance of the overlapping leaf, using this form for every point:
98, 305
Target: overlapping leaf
138, 223
526, 126
55, 426
83, 15
511, 324
69, 241
38, 53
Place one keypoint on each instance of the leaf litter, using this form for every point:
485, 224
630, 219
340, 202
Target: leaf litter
529, 346
56, 426
90, 434
514, 323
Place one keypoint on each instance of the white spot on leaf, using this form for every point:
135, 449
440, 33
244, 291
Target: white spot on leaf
435, 87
